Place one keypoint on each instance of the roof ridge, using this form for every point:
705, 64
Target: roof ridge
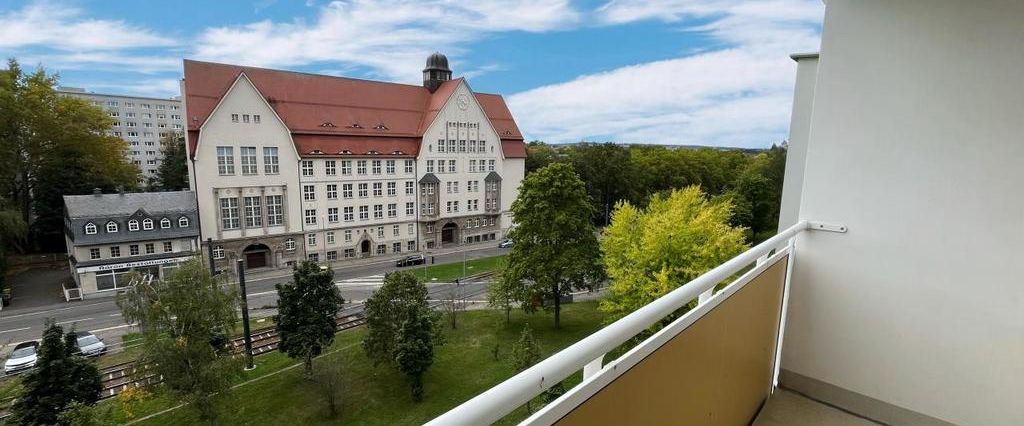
303, 73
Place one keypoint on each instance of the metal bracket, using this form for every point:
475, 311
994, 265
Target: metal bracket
829, 227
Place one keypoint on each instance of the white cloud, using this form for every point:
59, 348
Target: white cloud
390, 37
157, 87
737, 95
60, 27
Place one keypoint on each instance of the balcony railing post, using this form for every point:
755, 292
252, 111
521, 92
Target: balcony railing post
593, 367
785, 308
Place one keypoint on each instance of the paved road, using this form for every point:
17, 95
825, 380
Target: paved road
102, 316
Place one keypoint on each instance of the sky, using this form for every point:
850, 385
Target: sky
673, 72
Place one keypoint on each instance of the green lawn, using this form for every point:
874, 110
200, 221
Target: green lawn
450, 271
463, 367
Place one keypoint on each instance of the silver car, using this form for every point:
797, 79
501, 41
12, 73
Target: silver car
89, 344
23, 357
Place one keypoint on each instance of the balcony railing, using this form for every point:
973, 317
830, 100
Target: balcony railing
716, 364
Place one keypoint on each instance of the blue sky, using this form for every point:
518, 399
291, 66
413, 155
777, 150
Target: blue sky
701, 72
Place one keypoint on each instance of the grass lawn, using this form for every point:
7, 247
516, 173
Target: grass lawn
462, 368
450, 271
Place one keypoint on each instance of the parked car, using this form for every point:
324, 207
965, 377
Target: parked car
411, 260
506, 243
23, 357
89, 344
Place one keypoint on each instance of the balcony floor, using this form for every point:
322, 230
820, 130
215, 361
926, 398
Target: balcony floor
786, 408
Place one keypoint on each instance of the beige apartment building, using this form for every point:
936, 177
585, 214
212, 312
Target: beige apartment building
289, 166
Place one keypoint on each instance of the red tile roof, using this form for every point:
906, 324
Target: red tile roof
333, 114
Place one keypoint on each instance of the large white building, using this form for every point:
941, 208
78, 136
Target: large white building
288, 165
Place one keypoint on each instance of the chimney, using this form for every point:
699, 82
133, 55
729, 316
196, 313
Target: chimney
436, 72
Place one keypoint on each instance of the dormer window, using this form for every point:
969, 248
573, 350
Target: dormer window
373, 153
147, 224
165, 223
327, 124
133, 225
316, 151
355, 126
183, 222
111, 227
380, 126
90, 229
346, 152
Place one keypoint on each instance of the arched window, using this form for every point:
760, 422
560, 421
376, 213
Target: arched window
165, 223
218, 252
147, 224
183, 222
133, 225
289, 244
90, 228
111, 226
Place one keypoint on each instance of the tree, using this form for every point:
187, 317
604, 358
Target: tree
538, 155
525, 353
397, 315
307, 307
454, 302
649, 252
13, 232
330, 380
607, 172
555, 248
60, 380
184, 320
504, 292
172, 174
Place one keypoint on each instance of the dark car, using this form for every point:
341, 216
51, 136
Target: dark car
411, 260
506, 243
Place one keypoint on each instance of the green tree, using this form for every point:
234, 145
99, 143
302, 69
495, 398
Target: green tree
60, 380
538, 155
184, 320
607, 172
525, 353
649, 252
396, 315
172, 174
555, 248
13, 232
307, 307
504, 292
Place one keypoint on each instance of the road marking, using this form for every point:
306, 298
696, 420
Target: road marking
15, 329
114, 328
74, 320
50, 311
114, 315
262, 293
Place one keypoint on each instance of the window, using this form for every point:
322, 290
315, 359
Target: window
248, 154
440, 166
310, 216
363, 193
256, 118
245, 118
378, 189
289, 244
396, 247
393, 210
472, 145
346, 167
168, 247
150, 249
462, 145
90, 228
451, 145
350, 253
308, 192
332, 214
412, 229
430, 166
165, 223
472, 166
381, 249
111, 227
455, 206
410, 209
451, 166
332, 255
361, 167
330, 167
332, 191
133, 250
94, 253
411, 246
448, 207
229, 213
253, 212
364, 213
115, 251
218, 252
307, 167
449, 186
330, 237
311, 240
430, 228
378, 211
455, 185
183, 222
395, 230
346, 190
380, 232
313, 257
133, 225
440, 145
389, 167
275, 215
410, 188
376, 167
349, 216
270, 161
225, 160
490, 165
392, 189
348, 235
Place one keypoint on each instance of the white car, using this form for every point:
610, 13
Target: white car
89, 344
23, 357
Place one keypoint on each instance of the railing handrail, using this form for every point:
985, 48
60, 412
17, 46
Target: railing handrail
498, 401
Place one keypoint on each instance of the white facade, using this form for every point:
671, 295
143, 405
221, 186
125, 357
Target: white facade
913, 145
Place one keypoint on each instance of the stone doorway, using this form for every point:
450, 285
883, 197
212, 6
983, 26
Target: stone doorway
256, 256
448, 233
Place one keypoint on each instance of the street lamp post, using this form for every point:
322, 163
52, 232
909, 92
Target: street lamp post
245, 316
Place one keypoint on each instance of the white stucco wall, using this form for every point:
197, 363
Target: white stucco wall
915, 145
799, 127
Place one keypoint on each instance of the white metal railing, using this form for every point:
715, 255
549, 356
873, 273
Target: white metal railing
588, 354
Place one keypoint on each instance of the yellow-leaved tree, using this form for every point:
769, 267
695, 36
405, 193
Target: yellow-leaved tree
651, 251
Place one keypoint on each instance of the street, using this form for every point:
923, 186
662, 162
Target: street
102, 316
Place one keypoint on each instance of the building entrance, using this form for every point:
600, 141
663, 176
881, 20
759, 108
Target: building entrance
256, 256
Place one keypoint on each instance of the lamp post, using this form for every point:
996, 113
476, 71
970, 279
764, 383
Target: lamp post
245, 316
